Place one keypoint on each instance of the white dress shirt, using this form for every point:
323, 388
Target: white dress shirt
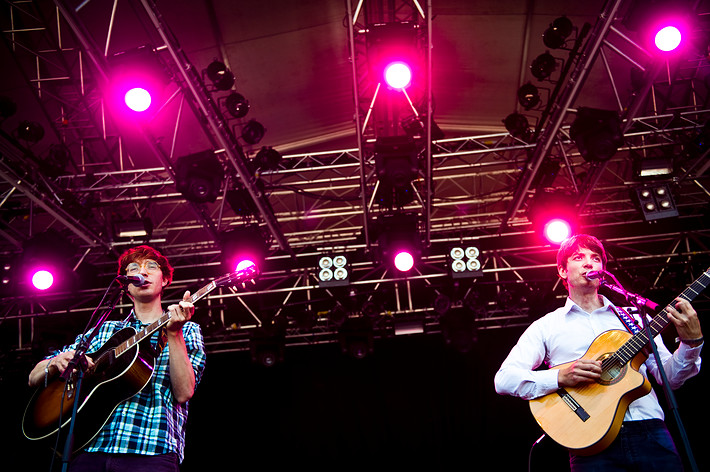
564, 335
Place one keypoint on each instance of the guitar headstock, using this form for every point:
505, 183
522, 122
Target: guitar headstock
238, 277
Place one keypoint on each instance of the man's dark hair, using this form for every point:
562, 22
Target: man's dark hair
579, 241
141, 253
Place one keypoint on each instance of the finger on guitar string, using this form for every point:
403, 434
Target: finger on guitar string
685, 319
180, 312
581, 370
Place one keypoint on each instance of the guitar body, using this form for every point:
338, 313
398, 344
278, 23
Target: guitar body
113, 380
587, 418
123, 366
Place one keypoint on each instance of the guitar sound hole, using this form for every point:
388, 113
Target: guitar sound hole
612, 369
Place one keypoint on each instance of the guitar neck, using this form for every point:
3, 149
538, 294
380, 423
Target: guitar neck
659, 322
160, 322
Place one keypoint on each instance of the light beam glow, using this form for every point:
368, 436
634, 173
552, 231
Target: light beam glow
668, 38
138, 99
403, 261
398, 75
42, 279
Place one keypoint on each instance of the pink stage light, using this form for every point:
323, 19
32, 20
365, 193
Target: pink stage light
138, 99
403, 261
42, 279
557, 230
668, 38
243, 264
398, 75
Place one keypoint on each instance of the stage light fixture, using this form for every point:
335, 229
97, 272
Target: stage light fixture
45, 262
528, 96
553, 215
408, 327
30, 131
237, 105
241, 202
396, 160
333, 270
221, 77
656, 202
597, 133
398, 75
414, 127
557, 33
243, 246
543, 66
199, 176
557, 230
392, 53
135, 228
337, 315
56, 161
137, 79
464, 262
396, 165
516, 124
655, 167
253, 132
668, 38
267, 158
399, 241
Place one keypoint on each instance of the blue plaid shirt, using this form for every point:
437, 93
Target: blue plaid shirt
150, 422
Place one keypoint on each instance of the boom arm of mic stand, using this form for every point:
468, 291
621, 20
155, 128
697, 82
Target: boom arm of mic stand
631, 297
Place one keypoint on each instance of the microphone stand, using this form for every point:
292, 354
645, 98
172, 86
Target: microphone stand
79, 364
643, 304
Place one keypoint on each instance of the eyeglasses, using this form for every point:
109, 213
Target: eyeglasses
134, 267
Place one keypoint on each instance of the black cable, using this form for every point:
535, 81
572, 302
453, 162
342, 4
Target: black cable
531, 450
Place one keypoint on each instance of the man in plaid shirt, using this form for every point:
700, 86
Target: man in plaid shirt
147, 431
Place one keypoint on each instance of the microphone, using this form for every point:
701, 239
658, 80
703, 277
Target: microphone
138, 280
595, 274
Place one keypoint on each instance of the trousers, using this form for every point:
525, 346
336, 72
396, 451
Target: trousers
101, 462
640, 446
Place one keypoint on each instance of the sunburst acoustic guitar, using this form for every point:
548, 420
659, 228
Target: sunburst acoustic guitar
123, 366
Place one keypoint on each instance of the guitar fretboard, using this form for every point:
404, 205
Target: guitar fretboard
659, 322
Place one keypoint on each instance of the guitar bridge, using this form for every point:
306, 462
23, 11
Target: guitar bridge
572, 403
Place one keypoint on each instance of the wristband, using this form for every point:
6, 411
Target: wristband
696, 342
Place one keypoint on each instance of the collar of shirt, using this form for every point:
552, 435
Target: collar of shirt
571, 306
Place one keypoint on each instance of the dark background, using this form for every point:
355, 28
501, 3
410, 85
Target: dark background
413, 402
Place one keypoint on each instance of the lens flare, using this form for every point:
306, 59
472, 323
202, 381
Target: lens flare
668, 38
398, 75
557, 230
42, 279
138, 99
403, 261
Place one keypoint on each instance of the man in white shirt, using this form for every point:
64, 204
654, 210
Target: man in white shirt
564, 335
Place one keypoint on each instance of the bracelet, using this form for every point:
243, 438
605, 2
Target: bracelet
46, 371
697, 341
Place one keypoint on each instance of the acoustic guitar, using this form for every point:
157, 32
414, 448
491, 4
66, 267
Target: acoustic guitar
587, 418
123, 366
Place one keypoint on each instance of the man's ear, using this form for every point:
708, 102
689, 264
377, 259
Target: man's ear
562, 272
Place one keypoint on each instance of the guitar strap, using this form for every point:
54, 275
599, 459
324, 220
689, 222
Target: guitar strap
626, 319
